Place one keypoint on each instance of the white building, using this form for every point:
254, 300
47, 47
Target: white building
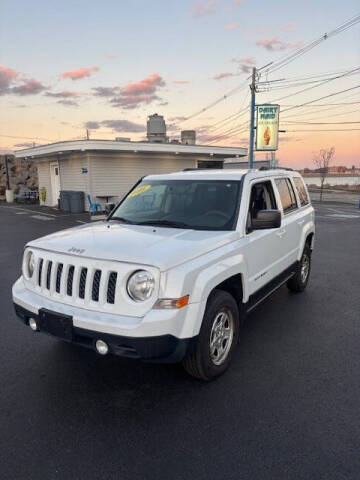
107, 169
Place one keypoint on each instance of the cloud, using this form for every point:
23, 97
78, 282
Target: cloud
137, 93
116, 125
63, 94
123, 126
28, 87
177, 119
181, 82
92, 125
68, 103
203, 8
273, 44
7, 76
106, 91
82, 72
128, 102
245, 64
220, 76
25, 145
146, 86
232, 26
112, 56
163, 104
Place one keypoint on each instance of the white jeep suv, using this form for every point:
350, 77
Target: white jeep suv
172, 272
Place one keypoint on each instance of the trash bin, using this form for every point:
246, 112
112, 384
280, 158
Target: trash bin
77, 202
65, 200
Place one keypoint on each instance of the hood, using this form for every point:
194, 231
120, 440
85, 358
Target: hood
161, 247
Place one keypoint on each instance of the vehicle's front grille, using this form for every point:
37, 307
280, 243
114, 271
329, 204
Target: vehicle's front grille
79, 281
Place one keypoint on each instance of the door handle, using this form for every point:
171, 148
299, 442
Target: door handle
281, 232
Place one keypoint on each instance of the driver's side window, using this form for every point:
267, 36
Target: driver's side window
261, 198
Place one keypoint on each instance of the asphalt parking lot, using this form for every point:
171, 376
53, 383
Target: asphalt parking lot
289, 408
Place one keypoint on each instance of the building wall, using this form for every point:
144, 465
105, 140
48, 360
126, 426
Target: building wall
43, 169
114, 175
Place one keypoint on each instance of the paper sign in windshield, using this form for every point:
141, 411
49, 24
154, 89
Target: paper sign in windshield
139, 190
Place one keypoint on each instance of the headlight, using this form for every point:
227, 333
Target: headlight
140, 285
29, 264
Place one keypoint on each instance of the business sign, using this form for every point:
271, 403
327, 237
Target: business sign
267, 127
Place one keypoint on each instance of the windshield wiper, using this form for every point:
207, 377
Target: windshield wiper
165, 223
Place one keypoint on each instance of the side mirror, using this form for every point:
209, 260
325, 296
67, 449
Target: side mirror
109, 207
266, 219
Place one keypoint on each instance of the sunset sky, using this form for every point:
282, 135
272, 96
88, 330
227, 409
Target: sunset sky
71, 65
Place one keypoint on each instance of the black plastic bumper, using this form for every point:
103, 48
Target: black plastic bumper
163, 348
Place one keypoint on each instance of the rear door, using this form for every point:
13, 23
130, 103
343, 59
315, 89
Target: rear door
289, 231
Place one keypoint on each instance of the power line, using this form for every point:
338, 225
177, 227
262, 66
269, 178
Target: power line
28, 138
325, 130
318, 123
282, 62
273, 66
321, 98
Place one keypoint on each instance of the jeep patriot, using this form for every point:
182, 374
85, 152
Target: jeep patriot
172, 272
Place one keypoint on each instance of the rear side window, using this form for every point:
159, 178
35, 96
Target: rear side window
300, 187
287, 195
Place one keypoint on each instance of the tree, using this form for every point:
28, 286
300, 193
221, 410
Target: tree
322, 162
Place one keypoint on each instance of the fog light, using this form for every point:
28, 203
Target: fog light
101, 347
33, 324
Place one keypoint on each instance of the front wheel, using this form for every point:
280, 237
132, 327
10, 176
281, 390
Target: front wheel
299, 281
218, 337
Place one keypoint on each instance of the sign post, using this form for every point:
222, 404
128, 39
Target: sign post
267, 127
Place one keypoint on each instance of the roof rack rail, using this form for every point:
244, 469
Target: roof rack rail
277, 168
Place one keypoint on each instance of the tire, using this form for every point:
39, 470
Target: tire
220, 327
299, 281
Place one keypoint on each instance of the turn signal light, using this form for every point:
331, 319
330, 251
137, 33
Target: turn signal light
170, 303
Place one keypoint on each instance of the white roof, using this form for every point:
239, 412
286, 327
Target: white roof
114, 146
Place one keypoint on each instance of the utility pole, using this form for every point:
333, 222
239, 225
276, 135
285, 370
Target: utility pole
7, 173
252, 118
87, 134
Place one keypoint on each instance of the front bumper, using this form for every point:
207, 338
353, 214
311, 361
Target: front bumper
164, 348
161, 335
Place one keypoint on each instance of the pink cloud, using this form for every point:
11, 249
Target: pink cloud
63, 94
203, 8
146, 86
232, 26
245, 64
7, 76
112, 56
181, 82
82, 72
274, 44
221, 76
28, 87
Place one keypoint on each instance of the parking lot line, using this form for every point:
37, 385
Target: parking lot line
41, 217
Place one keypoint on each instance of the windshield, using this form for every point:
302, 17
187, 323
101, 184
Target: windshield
193, 204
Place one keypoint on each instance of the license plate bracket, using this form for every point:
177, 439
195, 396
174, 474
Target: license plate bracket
56, 324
